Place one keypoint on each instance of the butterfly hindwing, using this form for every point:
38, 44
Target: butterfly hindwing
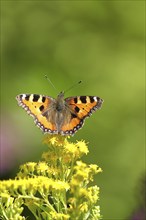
71, 127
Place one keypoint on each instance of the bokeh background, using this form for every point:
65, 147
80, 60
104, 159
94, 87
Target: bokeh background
102, 44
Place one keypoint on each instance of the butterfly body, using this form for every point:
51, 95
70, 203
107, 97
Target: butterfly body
59, 116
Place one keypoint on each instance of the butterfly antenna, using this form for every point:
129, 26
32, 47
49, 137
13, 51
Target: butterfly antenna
50, 82
73, 86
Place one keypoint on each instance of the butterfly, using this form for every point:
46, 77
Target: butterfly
59, 116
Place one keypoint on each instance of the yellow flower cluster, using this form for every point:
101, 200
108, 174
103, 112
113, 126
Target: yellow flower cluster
59, 216
83, 198
30, 186
55, 188
66, 149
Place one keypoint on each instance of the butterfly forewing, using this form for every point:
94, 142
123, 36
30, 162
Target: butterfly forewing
36, 105
83, 106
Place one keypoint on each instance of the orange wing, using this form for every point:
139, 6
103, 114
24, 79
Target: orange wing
83, 106
80, 108
35, 105
71, 127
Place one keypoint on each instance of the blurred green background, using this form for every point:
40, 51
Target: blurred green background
100, 43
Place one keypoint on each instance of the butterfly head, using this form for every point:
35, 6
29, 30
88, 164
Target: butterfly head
61, 95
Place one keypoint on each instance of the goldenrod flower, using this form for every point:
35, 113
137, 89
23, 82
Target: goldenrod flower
59, 216
55, 188
82, 146
41, 168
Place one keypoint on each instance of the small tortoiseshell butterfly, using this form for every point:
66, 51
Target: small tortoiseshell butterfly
59, 116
